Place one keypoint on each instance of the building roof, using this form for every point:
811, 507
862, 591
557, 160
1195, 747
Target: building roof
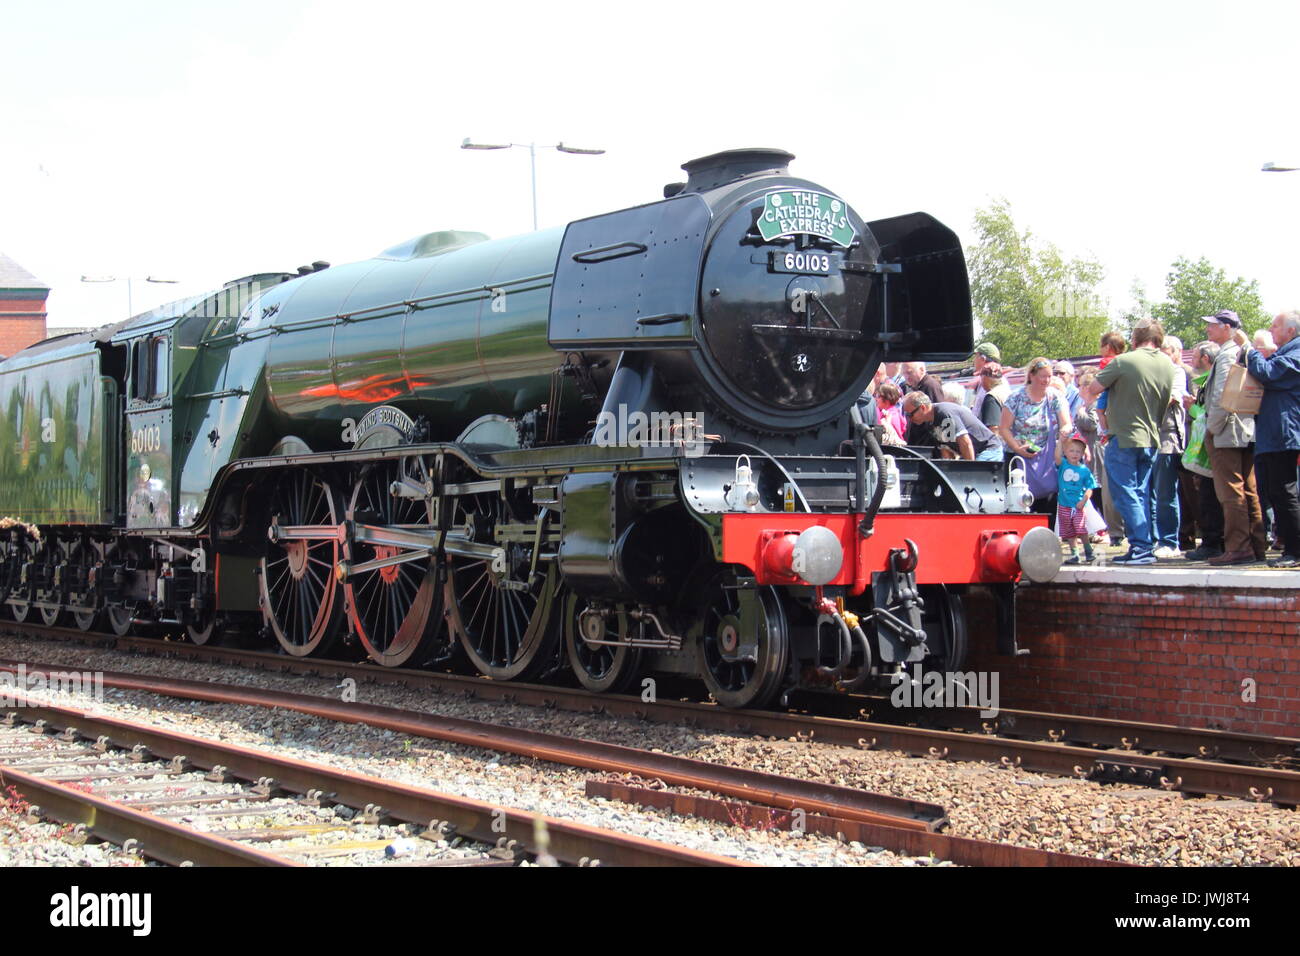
15, 277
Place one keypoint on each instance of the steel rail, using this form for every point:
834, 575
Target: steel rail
474, 819
117, 823
1214, 745
961, 850
1060, 754
751, 785
1193, 776
1219, 745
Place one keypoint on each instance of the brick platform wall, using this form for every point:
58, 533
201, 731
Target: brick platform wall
1173, 656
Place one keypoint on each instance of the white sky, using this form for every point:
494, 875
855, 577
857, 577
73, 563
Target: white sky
204, 141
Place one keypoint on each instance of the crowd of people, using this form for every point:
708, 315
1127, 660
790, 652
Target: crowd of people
1178, 459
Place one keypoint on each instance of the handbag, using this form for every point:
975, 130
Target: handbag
1040, 471
1196, 457
1241, 393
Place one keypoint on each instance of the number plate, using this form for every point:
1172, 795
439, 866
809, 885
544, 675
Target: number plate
803, 263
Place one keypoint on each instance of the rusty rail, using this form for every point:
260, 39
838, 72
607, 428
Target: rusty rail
474, 819
960, 850
751, 785
1059, 754
1080, 730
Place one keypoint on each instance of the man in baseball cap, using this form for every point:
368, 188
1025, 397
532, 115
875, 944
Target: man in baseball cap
1230, 440
985, 353
1224, 317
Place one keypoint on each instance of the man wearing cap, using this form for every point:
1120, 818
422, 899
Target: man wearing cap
1277, 426
1139, 385
992, 392
1230, 440
985, 353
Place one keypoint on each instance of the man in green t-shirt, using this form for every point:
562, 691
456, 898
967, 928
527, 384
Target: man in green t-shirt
1139, 386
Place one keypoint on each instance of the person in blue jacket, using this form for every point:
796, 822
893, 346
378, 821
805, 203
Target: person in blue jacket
1277, 427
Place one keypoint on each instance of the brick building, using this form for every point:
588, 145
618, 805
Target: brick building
22, 307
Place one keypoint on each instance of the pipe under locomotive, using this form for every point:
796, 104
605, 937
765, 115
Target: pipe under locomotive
628, 447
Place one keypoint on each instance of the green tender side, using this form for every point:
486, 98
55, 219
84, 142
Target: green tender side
53, 403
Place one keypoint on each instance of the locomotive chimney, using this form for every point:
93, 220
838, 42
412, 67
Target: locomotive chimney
708, 172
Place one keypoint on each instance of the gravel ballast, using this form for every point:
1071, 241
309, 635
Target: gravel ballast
1115, 822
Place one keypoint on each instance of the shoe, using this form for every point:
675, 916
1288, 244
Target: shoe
1202, 553
1286, 561
1088, 557
1073, 559
1167, 552
1129, 560
1233, 557
1116, 542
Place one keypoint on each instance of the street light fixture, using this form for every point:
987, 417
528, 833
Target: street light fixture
130, 307
532, 159
1275, 168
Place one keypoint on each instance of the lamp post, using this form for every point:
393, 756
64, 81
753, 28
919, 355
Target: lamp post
130, 308
532, 159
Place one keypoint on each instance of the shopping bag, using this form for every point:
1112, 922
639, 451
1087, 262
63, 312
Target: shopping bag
1196, 458
1092, 518
1241, 393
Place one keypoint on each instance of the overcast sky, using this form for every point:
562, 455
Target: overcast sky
202, 142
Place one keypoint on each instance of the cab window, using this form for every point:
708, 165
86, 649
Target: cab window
151, 371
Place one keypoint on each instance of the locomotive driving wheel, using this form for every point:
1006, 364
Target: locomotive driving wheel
499, 608
394, 610
598, 664
299, 593
743, 641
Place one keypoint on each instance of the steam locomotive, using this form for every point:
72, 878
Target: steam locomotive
627, 447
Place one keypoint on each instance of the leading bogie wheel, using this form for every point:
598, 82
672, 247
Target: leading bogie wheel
743, 643
944, 620
299, 591
594, 637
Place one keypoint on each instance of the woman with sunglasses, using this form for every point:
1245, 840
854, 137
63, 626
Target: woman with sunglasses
1034, 418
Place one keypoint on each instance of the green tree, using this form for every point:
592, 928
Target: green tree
1029, 298
1196, 289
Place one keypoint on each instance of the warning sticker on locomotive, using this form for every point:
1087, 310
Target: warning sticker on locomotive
794, 211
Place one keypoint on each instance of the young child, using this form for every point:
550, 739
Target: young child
1074, 485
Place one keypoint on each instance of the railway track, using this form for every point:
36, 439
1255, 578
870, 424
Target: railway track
1191, 761
1071, 729
853, 814
98, 772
